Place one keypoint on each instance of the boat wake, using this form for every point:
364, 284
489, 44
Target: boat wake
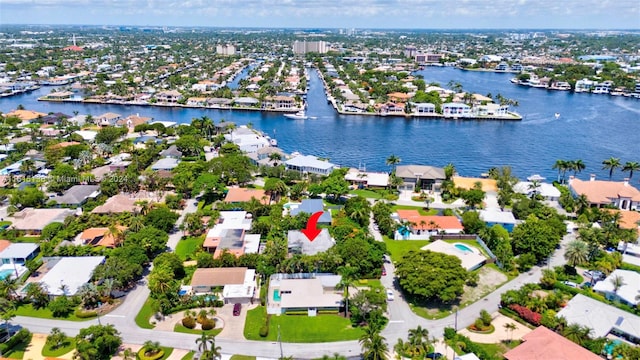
538, 119
622, 104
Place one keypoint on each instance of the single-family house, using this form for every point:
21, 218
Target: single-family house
32, 221
627, 293
418, 226
167, 163
169, 96
246, 101
108, 119
601, 318
66, 275
312, 206
620, 194
279, 102
310, 293
424, 108
77, 195
25, 115
546, 190
171, 152
87, 135
456, 110
230, 233
309, 164
54, 118
248, 140
420, 177
543, 344
240, 195
299, 243
100, 236
238, 283
118, 204
19, 253
493, 216
367, 179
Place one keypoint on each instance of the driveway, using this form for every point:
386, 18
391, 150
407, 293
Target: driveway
233, 325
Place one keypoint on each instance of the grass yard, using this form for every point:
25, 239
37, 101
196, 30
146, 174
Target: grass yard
421, 210
371, 283
242, 357
397, 248
27, 239
294, 328
188, 247
181, 329
366, 193
17, 352
498, 350
44, 313
189, 356
143, 317
69, 345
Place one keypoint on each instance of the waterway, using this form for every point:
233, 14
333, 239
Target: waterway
590, 127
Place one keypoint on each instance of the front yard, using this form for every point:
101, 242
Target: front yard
295, 328
397, 248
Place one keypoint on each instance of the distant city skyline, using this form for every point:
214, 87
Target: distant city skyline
392, 14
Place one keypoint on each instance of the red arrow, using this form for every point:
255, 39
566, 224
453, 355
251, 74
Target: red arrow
312, 226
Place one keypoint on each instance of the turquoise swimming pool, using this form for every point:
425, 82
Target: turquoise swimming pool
463, 247
276, 295
608, 348
5, 273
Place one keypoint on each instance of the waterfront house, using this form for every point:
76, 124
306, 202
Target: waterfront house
620, 194
59, 95
77, 195
309, 164
424, 108
66, 275
627, 293
238, 283
221, 102
490, 109
494, 216
169, 97
246, 101
546, 190
398, 97
312, 206
197, 101
456, 110
261, 156
19, 253
279, 102
367, 179
420, 177
603, 320
132, 121
248, 140
32, 221
108, 119
584, 85
543, 343
240, 195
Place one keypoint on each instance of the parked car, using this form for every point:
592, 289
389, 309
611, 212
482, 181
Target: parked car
434, 355
389, 295
236, 309
570, 283
595, 275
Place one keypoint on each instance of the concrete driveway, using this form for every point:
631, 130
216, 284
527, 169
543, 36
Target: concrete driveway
233, 325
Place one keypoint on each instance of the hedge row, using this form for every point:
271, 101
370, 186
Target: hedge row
21, 336
157, 356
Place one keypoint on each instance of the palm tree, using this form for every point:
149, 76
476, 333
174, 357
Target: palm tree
28, 167
116, 232
611, 164
631, 166
510, 327
392, 161
275, 157
617, 282
577, 166
204, 341
577, 333
373, 345
128, 354
9, 287
534, 187
449, 171
577, 252
136, 223
151, 347
561, 166
346, 281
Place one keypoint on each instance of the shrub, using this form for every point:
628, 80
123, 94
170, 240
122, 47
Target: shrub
485, 317
479, 325
527, 314
449, 333
208, 324
85, 314
21, 336
189, 322
264, 331
155, 356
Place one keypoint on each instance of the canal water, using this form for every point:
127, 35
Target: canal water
590, 127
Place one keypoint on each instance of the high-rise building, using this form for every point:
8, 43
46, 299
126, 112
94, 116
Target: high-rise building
225, 50
303, 47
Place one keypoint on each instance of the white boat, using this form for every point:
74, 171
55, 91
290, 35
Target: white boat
300, 115
557, 115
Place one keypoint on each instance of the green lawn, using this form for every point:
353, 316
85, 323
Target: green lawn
181, 329
295, 328
372, 283
242, 357
497, 350
70, 345
27, 239
421, 210
143, 317
44, 313
366, 193
187, 247
189, 356
17, 352
397, 248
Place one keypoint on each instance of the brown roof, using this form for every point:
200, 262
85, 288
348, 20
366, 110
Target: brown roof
117, 204
64, 144
99, 236
236, 195
26, 115
601, 192
4, 244
628, 219
544, 344
218, 276
429, 222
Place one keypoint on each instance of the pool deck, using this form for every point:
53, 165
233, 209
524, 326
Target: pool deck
470, 259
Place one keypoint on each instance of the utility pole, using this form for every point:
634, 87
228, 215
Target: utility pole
456, 323
280, 342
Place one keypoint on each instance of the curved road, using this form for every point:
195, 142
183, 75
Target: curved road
400, 315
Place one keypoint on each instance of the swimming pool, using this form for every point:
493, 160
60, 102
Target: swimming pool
608, 348
6, 273
463, 247
276, 295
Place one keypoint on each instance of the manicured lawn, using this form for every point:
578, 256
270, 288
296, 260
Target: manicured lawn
295, 328
189, 356
167, 352
17, 352
397, 248
372, 283
181, 329
366, 193
422, 211
44, 313
143, 317
187, 247
242, 357
27, 239
497, 350
69, 346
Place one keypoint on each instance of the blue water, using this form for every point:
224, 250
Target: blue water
590, 127
5, 273
276, 295
608, 348
463, 247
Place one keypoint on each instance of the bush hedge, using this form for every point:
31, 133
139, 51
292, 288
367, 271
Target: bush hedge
21, 336
189, 322
208, 324
156, 356
264, 331
85, 314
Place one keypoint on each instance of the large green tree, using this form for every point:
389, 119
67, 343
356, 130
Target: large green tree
431, 275
97, 342
611, 164
535, 237
162, 218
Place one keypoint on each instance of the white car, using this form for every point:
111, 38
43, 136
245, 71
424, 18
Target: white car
389, 295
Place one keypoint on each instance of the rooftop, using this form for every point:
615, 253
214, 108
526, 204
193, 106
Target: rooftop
37, 219
601, 192
311, 206
219, 276
77, 194
420, 171
18, 251
630, 289
429, 222
73, 272
544, 344
497, 216
117, 204
305, 293
236, 195
300, 243
309, 161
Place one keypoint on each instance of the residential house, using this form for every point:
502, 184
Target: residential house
603, 320
77, 195
32, 221
627, 293
54, 118
19, 253
494, 216
238, 283
132, 121
279, 102
310, 293
424, 108
240, 195
620, 194
363, 179
261, 157
171, 152
66, 275
246, 101
231, 233
546, 190
309, 164
418, 226
169, 97
420, 177
100, 236
312, 206
398, 97
456, 110
25, 115
108, 119
248, 140
630, 252
87, 135
167, 163
118, 204
544, 344
299, 243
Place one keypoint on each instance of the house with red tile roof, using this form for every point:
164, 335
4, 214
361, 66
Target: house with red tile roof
240, 195
423, 226
620, 194
544, 344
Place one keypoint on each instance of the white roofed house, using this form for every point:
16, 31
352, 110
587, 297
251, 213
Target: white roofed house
620, 285
303, 293
108, 119
546, 190
367, 179
247, 139
169, 97
309, 164
66, 275
19, 253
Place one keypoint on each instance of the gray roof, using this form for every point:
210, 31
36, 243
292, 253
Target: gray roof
231, 239
299, 243
172, 151
246, 100
78, 194
420, 171
496, 216
19, 251
311, 206
165, 164
599, 317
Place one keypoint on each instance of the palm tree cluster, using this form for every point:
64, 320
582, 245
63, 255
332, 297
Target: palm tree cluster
417, 345
613, 163
568, 165
207, 347
374, 346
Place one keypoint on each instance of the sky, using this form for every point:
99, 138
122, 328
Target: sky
394, 14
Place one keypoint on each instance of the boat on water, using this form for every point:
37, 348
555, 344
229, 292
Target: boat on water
557, 115
300, 115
